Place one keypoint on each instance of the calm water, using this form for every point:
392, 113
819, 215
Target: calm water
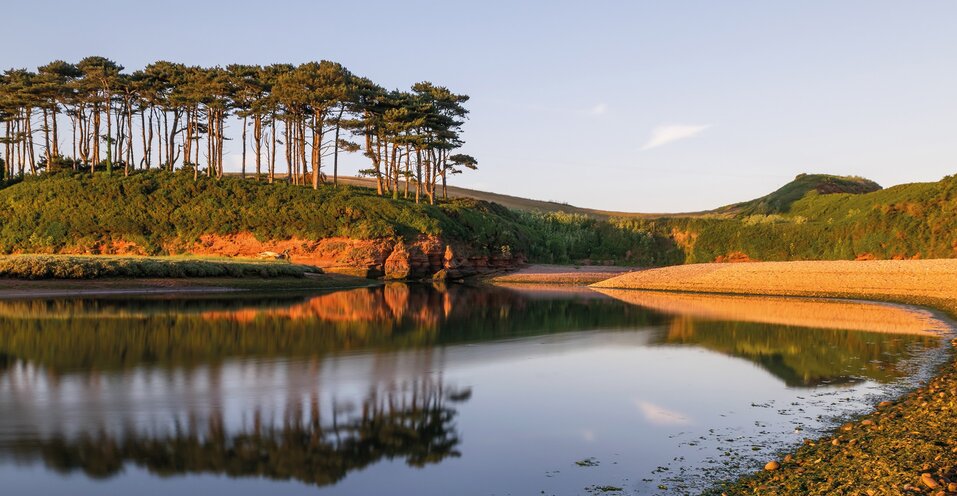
414, 390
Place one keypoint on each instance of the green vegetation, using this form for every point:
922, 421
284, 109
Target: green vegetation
90, 267
815, 217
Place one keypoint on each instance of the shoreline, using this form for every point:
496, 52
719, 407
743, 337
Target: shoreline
905, 446
558, 275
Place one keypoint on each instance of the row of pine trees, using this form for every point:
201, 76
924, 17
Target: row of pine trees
174, 117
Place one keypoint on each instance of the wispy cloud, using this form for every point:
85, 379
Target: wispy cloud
599, 109
659, 415
662, 135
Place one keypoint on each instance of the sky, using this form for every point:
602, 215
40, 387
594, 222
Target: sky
650, 106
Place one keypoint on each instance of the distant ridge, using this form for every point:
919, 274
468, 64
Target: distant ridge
526, 204
777, 202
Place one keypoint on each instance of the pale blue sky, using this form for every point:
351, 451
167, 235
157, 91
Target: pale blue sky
567, 96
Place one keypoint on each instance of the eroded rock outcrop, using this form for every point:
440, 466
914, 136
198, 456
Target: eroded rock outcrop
425, 257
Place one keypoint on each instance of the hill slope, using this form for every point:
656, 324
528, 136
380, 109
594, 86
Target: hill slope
780, 201
526, 204
167, 213
814, 217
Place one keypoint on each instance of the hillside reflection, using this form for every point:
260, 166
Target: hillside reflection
107, 334
802, 357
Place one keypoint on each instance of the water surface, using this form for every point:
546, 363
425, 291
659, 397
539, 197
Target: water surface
416, 390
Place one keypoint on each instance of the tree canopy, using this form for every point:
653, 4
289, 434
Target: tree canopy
175, 117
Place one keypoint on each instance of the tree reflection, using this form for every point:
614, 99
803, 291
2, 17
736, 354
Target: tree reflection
415, 424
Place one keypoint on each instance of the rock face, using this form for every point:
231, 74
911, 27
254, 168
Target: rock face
364, 258
426, 257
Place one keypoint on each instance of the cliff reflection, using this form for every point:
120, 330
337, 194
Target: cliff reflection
112, 333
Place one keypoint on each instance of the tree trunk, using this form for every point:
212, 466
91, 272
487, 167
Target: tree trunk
408, 170
56, 136
272, 159
96, 137
46, 137
109, 136
244, 146
220, 137
258, 137
209, 145
316, 146
29, 141
418, 174
335, 153
375, 162
73, 126
129, 141
288, 149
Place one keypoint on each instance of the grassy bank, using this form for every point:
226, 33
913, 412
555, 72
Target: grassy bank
904, 447
95, 267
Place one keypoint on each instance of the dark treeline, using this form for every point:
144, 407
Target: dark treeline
174, 117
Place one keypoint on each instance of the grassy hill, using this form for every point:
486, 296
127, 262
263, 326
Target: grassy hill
813, 217
164, 213
781, 200
908, 221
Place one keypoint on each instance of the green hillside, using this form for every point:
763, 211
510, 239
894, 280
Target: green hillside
813, 217
164, 213
906, 221
781, 201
